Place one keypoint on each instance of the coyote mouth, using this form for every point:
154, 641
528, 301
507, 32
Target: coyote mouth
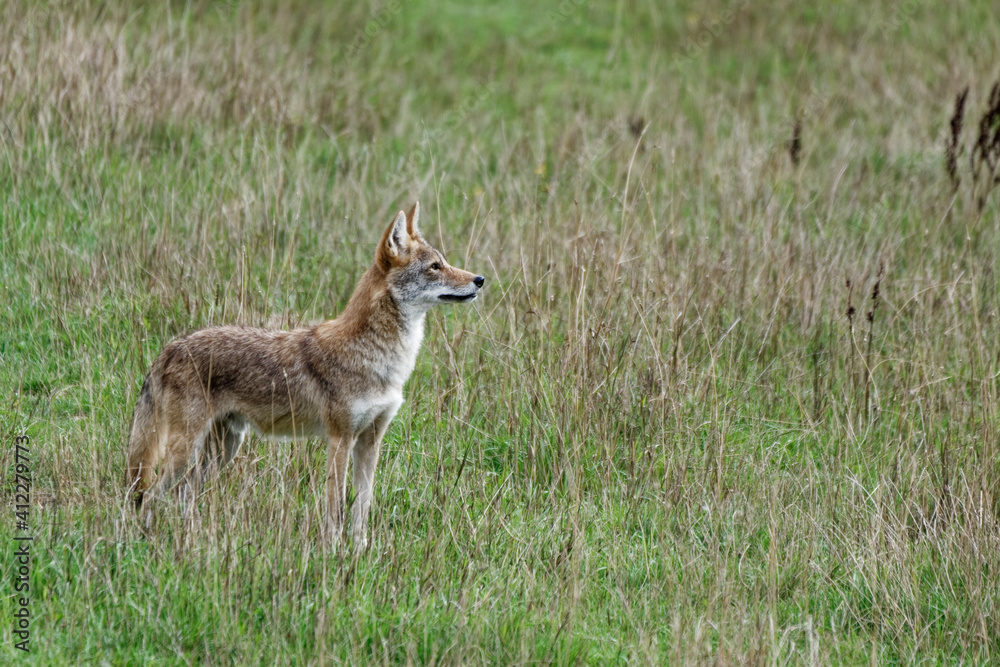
457, 298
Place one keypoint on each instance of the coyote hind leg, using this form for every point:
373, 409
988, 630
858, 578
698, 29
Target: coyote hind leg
178, 472
222, 443
194, 457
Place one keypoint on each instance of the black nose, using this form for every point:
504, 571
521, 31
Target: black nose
479, 280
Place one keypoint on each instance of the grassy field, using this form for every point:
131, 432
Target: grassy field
731, 394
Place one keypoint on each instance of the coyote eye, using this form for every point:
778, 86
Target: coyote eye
436, 266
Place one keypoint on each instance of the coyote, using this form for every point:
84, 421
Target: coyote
342, 379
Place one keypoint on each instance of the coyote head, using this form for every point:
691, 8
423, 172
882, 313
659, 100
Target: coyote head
417, 273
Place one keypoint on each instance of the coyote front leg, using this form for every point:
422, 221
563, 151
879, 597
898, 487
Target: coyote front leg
336, 487
365, 454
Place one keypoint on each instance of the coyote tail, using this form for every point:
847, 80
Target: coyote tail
142, 445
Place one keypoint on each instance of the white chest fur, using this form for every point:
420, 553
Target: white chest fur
383, 405
402, 369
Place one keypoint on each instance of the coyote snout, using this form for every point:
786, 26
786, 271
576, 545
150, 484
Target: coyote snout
342, 379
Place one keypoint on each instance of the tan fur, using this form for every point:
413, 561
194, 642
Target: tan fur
342, 379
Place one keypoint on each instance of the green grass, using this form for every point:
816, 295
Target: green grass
654, 440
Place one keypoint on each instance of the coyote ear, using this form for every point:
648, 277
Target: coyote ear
395, 240
412, 218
